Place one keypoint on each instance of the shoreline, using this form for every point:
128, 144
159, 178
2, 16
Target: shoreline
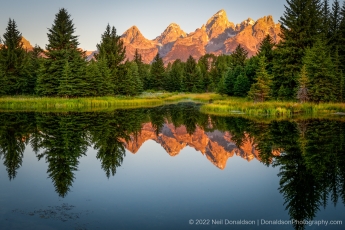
212, 104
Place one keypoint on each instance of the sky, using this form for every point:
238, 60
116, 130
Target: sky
91, 17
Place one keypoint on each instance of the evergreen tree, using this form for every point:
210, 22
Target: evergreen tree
239, 56
99, 77
251, 67
266, 49
113, 52
138, 84
261, 90
62, 47
137, 57
334, 24
141, 69
191, 74
175, 76
145, 76
230, 79
111, 48
200, 83
66, 86
14, 62
320, 71
342, 86
220, 67
221, 88
157, 72
341, 44
302, 94
206, 63
301, 24
242, 86
325, 15
35, 59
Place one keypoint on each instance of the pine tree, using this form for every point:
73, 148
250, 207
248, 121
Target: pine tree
146, 76
66, 86
266, 49
239, 56
302, 94
251, 67
99, 77
111, 48
138, 85
138, 61
191, 74
342, 87
230, 79
62, 47
242, 86
341, 44
113, 52
300, 27
199, 81
157, 72
175, 76
35, 60
221, 88
261, 90
320, 71
325, 12
14, 62
206, 63
334, 24
137, 57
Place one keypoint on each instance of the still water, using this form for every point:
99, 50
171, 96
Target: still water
170, 167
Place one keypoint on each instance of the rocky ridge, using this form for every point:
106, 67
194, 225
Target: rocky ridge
217, 36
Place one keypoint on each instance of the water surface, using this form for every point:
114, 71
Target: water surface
169, 167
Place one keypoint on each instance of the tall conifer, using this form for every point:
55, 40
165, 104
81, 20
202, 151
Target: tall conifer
301, 25
62, 47
320, 69
157, 72
14, 62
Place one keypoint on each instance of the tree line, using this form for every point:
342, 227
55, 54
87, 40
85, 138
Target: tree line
306, 65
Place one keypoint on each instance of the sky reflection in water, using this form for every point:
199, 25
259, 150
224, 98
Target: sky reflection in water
88, 177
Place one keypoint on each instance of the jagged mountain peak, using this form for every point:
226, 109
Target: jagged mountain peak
171, 34
217, 24
132, 34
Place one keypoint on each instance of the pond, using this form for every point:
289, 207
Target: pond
170, 167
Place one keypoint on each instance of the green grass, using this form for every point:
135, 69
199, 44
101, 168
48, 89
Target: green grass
26, 103
219, 106
232, 105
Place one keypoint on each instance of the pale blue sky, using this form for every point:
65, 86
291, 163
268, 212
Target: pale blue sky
90, 17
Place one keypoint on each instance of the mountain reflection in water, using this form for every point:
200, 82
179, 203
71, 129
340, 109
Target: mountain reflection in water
310, 153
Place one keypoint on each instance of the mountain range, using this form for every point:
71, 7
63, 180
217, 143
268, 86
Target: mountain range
218, 36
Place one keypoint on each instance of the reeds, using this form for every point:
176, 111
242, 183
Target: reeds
271, 108
97, 103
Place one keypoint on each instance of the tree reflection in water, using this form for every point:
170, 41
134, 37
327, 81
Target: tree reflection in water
310, 153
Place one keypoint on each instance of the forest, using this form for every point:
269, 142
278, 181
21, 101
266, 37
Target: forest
307, 65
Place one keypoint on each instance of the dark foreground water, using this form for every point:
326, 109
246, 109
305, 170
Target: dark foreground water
170, 168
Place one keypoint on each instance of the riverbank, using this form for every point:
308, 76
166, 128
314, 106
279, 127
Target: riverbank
27, 103
270, 108
212, 104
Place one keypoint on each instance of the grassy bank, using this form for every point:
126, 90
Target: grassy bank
98, 103
270, 108
219, 106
